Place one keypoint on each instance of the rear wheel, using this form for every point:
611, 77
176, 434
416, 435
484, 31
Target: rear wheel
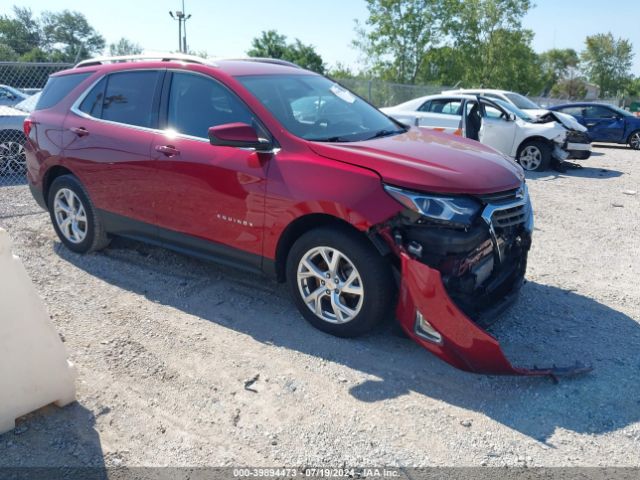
339, 281
634, 140
534, 155
74, 217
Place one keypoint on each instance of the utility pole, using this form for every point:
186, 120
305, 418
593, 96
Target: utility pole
182, 18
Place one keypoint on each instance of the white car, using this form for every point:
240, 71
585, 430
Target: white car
533, 142
515, 99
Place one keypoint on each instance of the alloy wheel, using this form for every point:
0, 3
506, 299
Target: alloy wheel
70, 215
634, 141
12, 157
330, 285
530, 157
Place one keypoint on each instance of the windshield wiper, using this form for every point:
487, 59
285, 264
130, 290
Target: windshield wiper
330, 139
385, 133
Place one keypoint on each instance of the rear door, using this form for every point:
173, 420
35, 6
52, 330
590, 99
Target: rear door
604, 123
107, 141
442, 114
207, 193
498, 130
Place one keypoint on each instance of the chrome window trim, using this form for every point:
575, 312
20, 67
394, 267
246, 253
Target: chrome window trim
75, 107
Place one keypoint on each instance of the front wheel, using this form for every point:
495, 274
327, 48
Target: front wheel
339, 281
534, 155
634, 140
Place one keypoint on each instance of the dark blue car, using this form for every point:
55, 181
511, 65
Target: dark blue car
605, 122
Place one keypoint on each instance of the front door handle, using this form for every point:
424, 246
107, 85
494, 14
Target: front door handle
168, 150
80, 131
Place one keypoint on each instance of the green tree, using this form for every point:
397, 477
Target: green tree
607, 62
69, 37
397, 35
124, 46
489, 39
556, 64
271, 44
21, 33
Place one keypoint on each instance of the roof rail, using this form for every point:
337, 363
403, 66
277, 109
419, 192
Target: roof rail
137, 58
275, 61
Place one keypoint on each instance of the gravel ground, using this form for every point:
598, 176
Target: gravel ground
189, 364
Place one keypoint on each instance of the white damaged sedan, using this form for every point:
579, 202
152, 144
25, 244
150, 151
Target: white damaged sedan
533, 141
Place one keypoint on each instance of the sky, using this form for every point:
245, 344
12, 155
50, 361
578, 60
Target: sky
225, 28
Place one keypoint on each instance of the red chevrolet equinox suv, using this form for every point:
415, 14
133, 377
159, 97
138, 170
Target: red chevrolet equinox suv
274, 169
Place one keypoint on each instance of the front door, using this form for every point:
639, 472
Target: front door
604, 124
207, 193
498, 129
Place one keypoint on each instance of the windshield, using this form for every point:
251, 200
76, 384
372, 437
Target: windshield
315, 108
521, 101
29, 104
515, 110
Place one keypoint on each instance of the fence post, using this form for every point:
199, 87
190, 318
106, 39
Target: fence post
369, 92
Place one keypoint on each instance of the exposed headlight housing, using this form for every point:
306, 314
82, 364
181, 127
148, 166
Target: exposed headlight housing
456, 211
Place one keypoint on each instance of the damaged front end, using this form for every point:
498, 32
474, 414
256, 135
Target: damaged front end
462, 262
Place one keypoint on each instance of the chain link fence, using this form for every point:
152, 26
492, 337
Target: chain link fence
19, 87
385, 94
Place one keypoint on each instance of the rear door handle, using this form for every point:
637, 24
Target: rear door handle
168, 150
80, 131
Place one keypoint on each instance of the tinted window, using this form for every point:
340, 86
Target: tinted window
521, 101
197, 103
445, 106
92, 103
596, 111
129, 98
59, 87
575, 111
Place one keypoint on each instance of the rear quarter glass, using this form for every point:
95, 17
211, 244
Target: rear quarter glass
59, 87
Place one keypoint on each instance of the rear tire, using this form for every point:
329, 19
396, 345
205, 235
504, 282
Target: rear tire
634, 140
534, 155
339, 281
74, 217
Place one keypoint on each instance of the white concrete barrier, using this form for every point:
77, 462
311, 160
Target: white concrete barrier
34, 370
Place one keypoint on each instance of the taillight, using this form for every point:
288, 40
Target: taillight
26, 126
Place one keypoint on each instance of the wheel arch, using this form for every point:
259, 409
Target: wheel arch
50, 175
306, 223
633, 132
531, 139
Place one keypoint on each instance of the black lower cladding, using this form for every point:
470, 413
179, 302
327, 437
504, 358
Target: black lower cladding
479, 279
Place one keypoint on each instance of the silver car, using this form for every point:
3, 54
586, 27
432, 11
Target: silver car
12, 158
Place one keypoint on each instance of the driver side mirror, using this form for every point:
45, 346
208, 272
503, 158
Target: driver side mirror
239, 135
511, 117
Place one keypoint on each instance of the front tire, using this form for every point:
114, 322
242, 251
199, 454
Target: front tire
74, 217
634, 140
339, 281
534, 155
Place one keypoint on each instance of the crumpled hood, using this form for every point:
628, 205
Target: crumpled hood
431, 161
564, 119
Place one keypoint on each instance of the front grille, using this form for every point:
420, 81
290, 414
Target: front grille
506, 209
510, 216
498, 197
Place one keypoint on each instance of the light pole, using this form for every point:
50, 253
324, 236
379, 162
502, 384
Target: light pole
182, 18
